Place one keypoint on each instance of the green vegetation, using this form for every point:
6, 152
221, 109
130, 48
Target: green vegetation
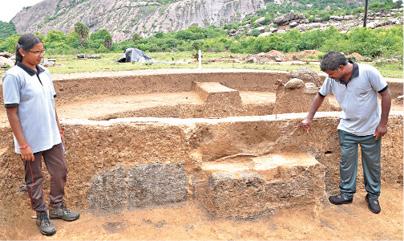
82, 31
6, 29
69, 63
382, 42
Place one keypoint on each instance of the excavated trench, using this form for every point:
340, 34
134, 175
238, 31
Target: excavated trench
202, 155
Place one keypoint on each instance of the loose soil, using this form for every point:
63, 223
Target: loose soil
188, 221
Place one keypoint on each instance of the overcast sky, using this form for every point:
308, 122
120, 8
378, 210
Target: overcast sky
9, 8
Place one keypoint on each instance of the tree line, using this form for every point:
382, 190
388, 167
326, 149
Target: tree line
381, 42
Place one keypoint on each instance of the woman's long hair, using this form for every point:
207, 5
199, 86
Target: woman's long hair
25, 42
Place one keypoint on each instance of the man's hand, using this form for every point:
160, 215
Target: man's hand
306, 124
380, 131
26, 154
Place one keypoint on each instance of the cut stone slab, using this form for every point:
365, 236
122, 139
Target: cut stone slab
251, 187
215, 92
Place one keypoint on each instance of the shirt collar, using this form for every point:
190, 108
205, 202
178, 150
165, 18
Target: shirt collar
355, 70
30, 71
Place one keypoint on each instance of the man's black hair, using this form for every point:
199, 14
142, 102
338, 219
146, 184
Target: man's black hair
332, 61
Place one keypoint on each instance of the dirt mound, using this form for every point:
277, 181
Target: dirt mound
271, 56
306, 55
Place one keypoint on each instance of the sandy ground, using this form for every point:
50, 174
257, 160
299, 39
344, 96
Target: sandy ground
188, 221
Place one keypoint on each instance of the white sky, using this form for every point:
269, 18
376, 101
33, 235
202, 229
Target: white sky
9, 8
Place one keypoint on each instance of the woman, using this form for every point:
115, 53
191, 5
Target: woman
29, 94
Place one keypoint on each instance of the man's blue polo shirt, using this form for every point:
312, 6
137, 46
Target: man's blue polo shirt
358, 99
34, 95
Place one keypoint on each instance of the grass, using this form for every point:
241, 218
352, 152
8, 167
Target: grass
70, 64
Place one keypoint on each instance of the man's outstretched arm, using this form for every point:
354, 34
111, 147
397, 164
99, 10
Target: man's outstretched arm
317, 101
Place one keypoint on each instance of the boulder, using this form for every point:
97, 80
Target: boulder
285, 19
260, 21
294, 83
293, 24
307, 75
6, 55
5, 63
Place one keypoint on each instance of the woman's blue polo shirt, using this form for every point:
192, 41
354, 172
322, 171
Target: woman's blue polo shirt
33, 93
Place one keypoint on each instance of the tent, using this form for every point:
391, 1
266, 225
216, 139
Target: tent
134, 55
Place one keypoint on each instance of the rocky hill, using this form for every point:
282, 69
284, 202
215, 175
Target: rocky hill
124, 17
343, 23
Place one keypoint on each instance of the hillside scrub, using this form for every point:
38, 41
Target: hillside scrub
374, 43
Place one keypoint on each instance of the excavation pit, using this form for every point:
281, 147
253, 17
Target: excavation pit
151, 148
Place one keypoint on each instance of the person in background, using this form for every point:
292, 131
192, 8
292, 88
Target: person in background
356, 87
29, 98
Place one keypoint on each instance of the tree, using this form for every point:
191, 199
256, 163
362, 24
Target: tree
6, 29
102, 37
136, 37
82, 30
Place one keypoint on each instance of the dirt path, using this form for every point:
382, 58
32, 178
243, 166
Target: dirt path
187, 221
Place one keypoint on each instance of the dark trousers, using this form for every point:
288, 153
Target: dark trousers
56, 164
371, 151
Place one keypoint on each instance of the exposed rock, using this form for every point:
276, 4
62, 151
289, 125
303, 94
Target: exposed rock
232, 32
261, 29
260, 21
124, 17
89, 56
349, 17
293, 24
337, 18
307, 75
6, 54
377, 24
294, 83
5, 63
285, 19
273, 30
251, 59
49, 62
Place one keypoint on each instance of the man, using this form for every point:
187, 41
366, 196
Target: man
355, 87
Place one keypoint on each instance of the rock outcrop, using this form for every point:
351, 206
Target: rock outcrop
123, 18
